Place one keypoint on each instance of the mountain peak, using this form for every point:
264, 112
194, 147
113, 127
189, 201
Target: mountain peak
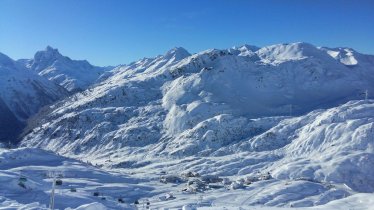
5, 60
279, 53
51, 49
299, 46
48, 53
244, 50
249, 47
177, 52
45, 57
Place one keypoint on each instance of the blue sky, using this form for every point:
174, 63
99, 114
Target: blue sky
111, 32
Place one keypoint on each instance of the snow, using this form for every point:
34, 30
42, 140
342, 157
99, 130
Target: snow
23, 91
359, 201
278, 126
40, 166
180, 95
73, 75
22, 94
279, 53
92, 206
344, 55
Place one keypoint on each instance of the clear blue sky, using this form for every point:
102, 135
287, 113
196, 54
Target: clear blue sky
110, 32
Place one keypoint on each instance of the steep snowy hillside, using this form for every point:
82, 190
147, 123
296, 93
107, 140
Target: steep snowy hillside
22, 94
73, 75
223, 112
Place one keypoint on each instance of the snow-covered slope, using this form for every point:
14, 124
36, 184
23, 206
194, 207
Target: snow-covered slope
26, 177
73, 75
22, 94
223, 112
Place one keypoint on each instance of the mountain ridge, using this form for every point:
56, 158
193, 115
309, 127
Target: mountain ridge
298, 117
188, 90
73, 75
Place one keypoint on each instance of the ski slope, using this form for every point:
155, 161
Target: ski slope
39, 167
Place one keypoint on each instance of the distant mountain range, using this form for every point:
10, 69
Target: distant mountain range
175, 104
297, 111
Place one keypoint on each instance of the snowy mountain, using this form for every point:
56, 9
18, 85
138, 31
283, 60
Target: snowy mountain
289, 109
73, 75
22, 94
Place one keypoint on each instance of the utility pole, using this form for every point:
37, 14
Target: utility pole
366, 95
52, 201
